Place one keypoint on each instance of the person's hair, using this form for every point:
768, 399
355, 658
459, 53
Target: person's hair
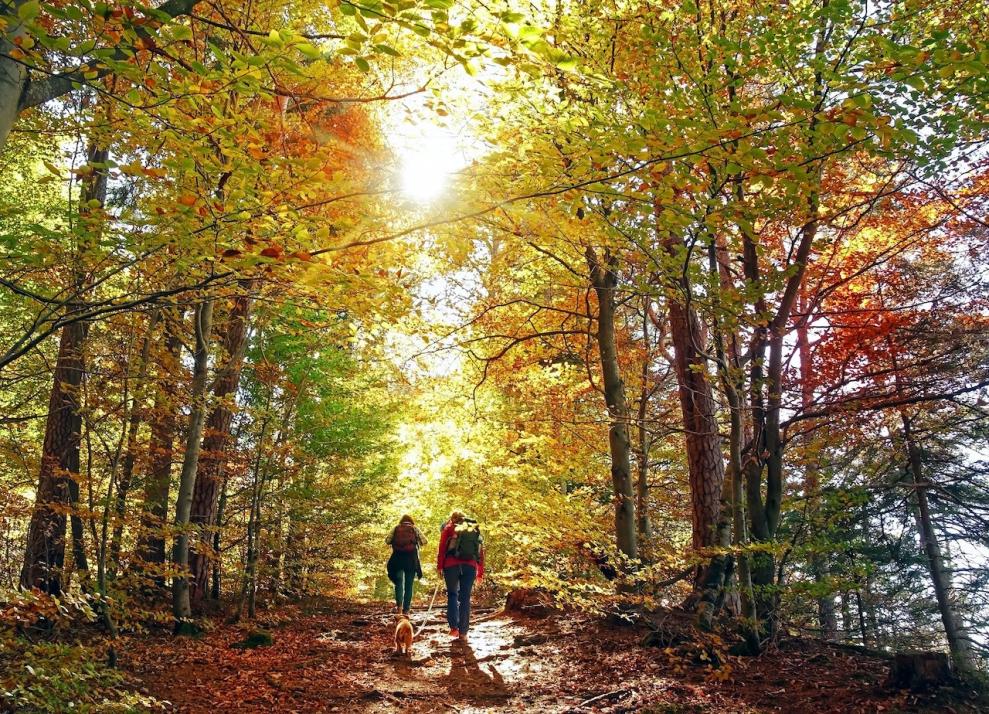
457, 516
406, 519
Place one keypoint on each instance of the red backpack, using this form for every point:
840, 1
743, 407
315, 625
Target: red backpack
405, 539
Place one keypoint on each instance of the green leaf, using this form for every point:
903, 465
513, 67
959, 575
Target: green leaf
309, 50
181, 32
29, 10
567, 64
363, 64
387, 49
528, 33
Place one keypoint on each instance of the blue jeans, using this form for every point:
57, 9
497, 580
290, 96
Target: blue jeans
459, 584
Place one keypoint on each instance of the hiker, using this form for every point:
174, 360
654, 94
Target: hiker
403, 565
460, 561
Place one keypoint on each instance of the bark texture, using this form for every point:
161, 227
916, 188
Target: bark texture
163, 425
216, 439
644, 526
957, 640
13, 75
181, 606
705, 461
129, 460
605, 281
45, 552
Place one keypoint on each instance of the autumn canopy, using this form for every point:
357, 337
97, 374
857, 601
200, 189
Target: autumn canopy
686, 302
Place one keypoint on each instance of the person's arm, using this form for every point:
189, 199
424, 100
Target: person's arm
421, 537
440, 556
390, 537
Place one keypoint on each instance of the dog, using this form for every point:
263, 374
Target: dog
403, 635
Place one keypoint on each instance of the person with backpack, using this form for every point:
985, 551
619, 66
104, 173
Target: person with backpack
403, 565
460, 562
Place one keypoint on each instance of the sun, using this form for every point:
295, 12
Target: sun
430, 156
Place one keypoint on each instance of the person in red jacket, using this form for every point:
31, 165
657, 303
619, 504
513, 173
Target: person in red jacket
460, 561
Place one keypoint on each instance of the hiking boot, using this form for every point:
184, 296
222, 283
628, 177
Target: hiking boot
462, 636
455, 634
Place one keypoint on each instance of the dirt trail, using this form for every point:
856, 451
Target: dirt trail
339, 658
344, 661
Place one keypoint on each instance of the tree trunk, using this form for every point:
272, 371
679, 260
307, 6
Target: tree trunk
249, 583
732, 504
217, 561
76, 527
705, 462
819, 567
863, 630
957, 639
764, 466
205, 497
605, 281
295, 553
44, 554
644, 527
130, 451
13, 74
181, 606
868, 597
271, 554
251, 575
846, 616
164, 424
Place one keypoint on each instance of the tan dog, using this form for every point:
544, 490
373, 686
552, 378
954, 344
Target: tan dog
403, 635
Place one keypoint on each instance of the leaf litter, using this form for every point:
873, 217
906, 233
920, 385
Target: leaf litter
338, 657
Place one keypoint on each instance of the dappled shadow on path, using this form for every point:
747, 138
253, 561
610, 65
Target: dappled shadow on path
466, 677
482, 673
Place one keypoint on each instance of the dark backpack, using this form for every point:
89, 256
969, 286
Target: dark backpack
465, 543
405, 539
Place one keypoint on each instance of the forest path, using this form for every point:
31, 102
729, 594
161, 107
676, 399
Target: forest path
339, 657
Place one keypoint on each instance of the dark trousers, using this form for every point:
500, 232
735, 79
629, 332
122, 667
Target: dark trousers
459, 584
405, 581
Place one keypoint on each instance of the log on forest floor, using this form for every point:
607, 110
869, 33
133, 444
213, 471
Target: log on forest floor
601, 697
532, 602
530, 639
255, 638
858, 649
